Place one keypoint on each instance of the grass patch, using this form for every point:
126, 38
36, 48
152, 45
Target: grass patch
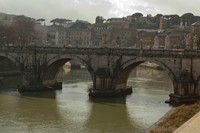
175, 118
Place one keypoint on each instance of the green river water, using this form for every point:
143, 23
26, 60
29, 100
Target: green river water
70, 110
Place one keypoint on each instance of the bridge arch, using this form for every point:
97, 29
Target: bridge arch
197, 86
55, 63
129, 65
11, 58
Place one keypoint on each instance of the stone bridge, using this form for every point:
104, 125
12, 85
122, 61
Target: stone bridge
108, 67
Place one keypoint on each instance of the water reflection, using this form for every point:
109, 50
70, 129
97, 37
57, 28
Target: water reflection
42, 94
23, 114
109, 115
71, 110
146, 78
66, 75
10, 83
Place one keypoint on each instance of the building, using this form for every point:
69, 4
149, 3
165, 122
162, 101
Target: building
114, 33
163, 23
78, 37
6, 19
60, 37
195, 28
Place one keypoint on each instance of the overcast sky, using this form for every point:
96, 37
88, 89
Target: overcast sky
89, 9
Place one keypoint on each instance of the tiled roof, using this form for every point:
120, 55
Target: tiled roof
196, 23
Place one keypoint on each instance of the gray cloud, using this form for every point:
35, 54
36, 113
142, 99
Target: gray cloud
175, 6
89, 9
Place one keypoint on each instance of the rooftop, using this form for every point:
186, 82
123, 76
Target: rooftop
196, 23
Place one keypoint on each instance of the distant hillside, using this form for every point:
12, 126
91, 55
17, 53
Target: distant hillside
4, 16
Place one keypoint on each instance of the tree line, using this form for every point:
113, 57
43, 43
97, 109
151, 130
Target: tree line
20, 32
171, 20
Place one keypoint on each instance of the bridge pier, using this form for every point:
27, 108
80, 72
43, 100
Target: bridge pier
103, 85
186, 90
29, 82
32, 81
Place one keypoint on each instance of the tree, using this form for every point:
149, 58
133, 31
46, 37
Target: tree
134, 18
3, 30
40, 20
188, 18
196, 18
7, 35
99, 20
187, 15
173, 19
23, 29
137, 15
79, 24
60, 21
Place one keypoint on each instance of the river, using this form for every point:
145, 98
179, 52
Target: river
71, 111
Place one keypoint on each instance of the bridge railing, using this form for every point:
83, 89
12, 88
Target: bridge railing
102, 51
16, 49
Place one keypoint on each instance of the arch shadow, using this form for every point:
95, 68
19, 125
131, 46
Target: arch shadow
128, 66
10, 72
11, 58
197, 86
54, 64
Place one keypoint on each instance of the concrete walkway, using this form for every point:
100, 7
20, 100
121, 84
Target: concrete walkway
191, 126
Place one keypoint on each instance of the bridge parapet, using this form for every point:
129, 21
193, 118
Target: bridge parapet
104, 51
